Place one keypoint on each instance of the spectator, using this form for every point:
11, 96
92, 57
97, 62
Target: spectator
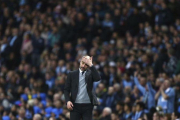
37, 117
114, 116
58, 108
106, 114
5, 116
120, 109
147, 91
127, 112
172, 63
165, 97
127, 82
101, 91
27, 45
156, 116
110, 99
139, 110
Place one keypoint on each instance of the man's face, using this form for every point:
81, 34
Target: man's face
126, 108
137, 108
110, 90
143, 81
166, 84
83, 66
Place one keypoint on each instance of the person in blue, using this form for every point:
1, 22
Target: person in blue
5, 116
110, 99
57, 110
48, 110
127, 82
127, 112
166, 97
139, 111
147, 91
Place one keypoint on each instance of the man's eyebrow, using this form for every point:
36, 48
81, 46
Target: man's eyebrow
84, 63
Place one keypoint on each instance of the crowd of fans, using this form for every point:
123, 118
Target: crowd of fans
135, 46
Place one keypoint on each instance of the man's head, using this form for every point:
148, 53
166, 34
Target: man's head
127, 107
14, 31
37, 117
22, 112
139, 106
156, 116
117, 87
119, 106
101, 86
106, 111
143, 80
56, 97
110, 90
166, 84
83, 65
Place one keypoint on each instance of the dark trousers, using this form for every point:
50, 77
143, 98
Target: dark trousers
81, 111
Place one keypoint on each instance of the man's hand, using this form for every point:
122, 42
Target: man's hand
69, 105
162, 87
135, 73
88, 60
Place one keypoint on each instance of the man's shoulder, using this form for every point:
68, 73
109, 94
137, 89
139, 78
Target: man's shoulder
74, 71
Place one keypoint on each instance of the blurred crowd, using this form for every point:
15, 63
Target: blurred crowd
135, 46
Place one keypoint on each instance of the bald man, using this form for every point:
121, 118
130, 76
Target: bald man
80, 84
37, 117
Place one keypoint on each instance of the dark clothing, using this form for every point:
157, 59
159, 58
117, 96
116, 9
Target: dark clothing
81, 111
110, 101
72, 83
108, 117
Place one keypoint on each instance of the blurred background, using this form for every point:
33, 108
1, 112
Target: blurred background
135, 46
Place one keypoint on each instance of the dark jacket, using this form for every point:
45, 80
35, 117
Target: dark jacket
72, 83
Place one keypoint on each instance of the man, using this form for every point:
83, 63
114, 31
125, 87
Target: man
80, 83
171, 66
37, 117
139, 110
110, 99
106, 114
127, 112
146, 89
166, 97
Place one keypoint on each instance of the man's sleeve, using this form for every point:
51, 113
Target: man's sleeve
139, 86
67, 88
96, 76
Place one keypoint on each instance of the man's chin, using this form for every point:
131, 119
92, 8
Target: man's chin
83, 69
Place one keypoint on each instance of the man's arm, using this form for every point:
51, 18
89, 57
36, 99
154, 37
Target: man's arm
157, 95
95, 74
67, 88
169, 94
139, 86
164, 94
